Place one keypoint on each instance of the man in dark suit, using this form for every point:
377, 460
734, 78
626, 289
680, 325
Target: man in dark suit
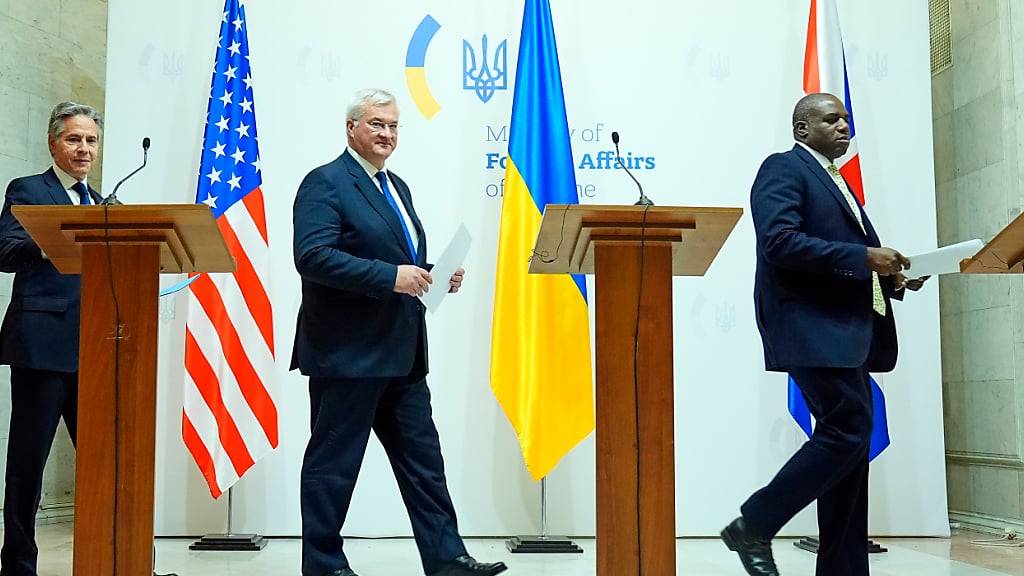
361, 338
39, 337
822, 294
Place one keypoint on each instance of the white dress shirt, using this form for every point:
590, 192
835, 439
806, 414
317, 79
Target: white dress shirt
371, 171
67, 181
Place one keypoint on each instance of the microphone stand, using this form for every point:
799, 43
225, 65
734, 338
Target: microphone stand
112, 199
644, 200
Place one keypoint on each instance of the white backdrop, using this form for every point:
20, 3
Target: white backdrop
705, 88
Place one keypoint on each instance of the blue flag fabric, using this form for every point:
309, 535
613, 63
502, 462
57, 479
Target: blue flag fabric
879, 432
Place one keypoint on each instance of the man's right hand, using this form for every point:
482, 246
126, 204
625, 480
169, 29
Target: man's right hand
412, 280
886, 261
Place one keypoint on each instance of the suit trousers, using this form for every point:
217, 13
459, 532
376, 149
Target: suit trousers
343, 411
831, 467
39, 399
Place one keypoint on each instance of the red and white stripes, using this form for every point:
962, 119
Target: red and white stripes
825, 71
229, 419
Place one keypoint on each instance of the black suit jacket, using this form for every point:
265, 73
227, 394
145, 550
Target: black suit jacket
348, 244
812, 287
40, 328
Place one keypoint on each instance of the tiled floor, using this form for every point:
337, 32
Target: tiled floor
697, 557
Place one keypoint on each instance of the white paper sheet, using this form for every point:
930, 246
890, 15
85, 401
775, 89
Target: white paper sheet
945, 260
451, 260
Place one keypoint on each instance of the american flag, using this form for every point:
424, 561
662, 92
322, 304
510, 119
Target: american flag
825, 71
229, 418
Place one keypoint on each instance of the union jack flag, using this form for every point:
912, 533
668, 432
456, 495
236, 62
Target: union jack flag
825, 71
229, 418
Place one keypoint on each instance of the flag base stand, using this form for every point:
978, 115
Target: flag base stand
812, 545
542, 545
230, 543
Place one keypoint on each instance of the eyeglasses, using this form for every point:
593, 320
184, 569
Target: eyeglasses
377, 126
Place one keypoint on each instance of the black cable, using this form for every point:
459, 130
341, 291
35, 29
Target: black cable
542, 255
636, 383
117, 373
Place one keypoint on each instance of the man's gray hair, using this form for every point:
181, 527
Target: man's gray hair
65, 110
371, 96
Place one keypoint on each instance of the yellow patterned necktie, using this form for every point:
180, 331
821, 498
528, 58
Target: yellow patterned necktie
878, 301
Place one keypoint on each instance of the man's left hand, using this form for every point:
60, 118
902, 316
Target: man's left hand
456, 281
913, 285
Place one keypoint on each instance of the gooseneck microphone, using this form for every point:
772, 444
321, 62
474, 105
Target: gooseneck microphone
112, 199
644, 200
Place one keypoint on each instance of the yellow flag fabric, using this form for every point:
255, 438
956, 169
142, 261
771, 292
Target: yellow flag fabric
540, 345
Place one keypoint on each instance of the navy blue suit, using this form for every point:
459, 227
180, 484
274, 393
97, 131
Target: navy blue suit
364, 347
812, 288
39, 341
813, 301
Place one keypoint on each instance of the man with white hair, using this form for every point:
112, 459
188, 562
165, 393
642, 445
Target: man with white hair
361, 338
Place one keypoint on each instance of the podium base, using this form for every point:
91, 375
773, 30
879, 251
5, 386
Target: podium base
812, 545
230, 543
542, 545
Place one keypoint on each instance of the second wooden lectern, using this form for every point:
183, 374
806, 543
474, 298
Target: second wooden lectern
1003, 255
633, 252
120, 251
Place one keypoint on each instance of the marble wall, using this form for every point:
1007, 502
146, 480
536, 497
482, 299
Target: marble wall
978, 112
52, 50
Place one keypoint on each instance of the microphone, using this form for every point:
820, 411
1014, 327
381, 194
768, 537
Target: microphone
644, 200
112, 199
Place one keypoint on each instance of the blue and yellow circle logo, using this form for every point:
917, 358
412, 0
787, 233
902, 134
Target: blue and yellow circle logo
415, 73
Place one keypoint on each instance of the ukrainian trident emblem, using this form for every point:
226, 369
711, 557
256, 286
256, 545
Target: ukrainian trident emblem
487, 76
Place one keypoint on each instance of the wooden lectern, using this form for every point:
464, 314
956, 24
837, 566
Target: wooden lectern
633, 254
120, 252
1003, 255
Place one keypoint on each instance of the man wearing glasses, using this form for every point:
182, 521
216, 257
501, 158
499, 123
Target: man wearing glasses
361, 338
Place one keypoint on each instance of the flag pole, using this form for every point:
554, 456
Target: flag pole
231, 508
544, 507
544, 543
230, 542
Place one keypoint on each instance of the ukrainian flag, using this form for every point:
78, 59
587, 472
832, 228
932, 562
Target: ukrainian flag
540, 347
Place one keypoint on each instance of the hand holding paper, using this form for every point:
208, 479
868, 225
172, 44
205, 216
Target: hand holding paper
886, 261
456, 281
448, 266
913, 284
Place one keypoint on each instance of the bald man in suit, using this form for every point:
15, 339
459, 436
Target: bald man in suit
823, 290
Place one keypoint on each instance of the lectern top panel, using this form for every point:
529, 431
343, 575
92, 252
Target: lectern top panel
568, 233
1003, 255
187, 234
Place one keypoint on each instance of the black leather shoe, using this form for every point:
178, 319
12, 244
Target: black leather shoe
755, 552
467, 566
343, 572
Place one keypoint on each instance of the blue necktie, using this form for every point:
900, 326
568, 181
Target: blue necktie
83, 192
383, 179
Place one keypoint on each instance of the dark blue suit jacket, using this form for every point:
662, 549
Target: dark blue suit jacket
812, 288
348, 245
40, 329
